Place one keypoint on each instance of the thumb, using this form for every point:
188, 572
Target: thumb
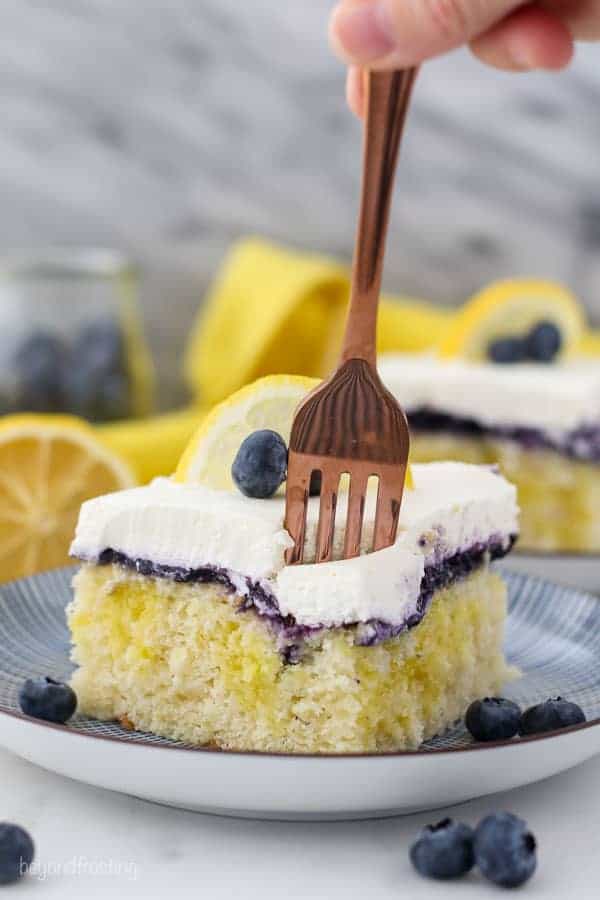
400, 33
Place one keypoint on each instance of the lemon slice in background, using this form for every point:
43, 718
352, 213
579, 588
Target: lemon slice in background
48, 466
269, 402
511, 309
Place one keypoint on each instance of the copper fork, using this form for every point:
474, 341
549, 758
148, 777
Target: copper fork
351, 424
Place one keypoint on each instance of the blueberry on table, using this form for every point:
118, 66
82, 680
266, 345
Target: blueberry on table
544, 342
493, 719
507, 350
551, 715
444, 850
260, 465
39, 366
16, 852
505, 850
45, 698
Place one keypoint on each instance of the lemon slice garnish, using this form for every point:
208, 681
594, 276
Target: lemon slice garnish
269, 402
511, 309
48, 466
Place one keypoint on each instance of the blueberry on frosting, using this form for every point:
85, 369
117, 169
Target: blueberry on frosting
507, 350
544, 341
260, 465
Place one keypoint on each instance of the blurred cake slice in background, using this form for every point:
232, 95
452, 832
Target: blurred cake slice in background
509, 386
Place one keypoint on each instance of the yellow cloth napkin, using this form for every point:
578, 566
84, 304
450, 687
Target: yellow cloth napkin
274, 310
152, 446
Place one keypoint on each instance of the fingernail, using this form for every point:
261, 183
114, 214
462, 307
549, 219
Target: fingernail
520, 55
362, 32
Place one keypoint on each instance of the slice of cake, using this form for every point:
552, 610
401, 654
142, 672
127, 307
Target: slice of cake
187, 623
508, 384
539, 423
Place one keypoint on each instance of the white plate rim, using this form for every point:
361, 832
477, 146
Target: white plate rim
434, 751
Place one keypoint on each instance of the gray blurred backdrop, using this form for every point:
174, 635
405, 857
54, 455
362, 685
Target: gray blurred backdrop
169, 127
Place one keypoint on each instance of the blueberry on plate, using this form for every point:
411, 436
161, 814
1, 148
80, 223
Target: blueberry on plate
544, 342
16, 852
260, 465
493, 719
505, 850
551, 715
39, 364
507, 350
444, 850
45, 698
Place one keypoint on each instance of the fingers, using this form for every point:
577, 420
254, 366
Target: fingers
581, 16
530, 38
401, 33
355, 90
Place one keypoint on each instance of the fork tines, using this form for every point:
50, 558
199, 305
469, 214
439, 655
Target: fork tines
351, 425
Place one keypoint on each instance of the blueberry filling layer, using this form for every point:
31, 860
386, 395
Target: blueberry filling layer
290, 635
582, 443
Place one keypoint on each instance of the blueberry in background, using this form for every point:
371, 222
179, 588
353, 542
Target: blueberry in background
16, 852
493, 719
544, 342
45, 698
260, 465
97, 383
444, 850
101, 347
505, 850
6, 404
112, 399
507, 350
551, 715
39, 364
97, 396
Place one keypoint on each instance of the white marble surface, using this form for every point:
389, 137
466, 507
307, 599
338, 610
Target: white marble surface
128, 848
168, 128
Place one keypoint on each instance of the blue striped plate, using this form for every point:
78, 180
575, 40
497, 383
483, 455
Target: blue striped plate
553, 636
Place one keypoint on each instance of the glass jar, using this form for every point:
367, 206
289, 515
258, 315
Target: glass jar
71, 338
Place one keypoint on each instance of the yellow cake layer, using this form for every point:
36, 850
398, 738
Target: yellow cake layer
559, 497
179, 661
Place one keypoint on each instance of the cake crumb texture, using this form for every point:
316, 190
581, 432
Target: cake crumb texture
178, 660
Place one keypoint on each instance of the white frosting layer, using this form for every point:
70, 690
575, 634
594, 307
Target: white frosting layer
452, 507
553, 398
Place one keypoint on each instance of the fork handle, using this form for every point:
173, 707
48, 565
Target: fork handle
388, 95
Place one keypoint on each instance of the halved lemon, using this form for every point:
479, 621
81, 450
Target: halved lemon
48, 466
269, 402
510, 309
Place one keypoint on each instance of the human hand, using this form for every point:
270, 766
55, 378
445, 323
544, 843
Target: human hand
508, 34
